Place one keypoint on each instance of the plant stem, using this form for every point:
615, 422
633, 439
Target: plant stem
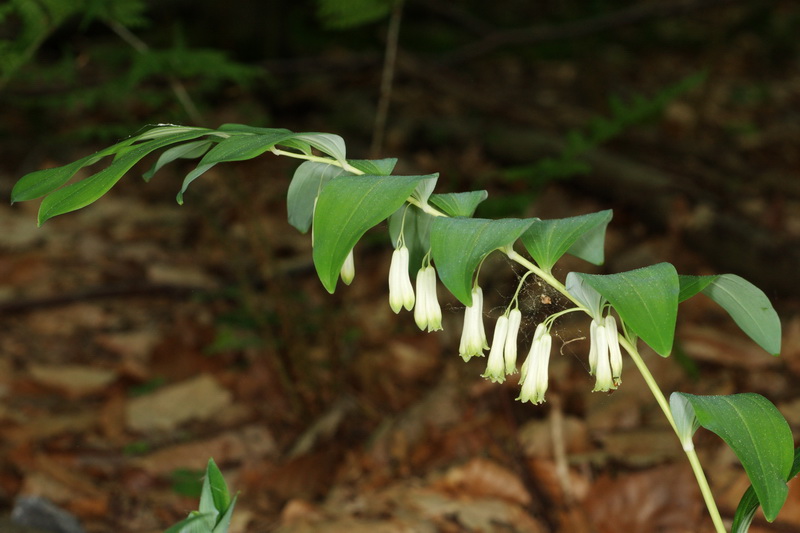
546, 276
711, 505
349, 168
317, 159
694, 461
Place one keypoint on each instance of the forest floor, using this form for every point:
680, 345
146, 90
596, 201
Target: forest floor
138, 338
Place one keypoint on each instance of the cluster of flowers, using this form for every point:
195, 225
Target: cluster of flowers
427, 312
605, 358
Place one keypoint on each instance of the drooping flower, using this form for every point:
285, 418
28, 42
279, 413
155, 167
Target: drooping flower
348, 271
401, 293
599, 361
510, 352
593, 355
495, 366
615, 355
533, 374
473, 336
427, 312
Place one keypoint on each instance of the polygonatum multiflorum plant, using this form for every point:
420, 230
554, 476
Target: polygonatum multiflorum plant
215, 510
435, 236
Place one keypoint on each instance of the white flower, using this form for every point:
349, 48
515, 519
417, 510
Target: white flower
533, 374
401, 293
510, 352
348, 271
615, 356
427, 312
495, 367
599, 363
473, 336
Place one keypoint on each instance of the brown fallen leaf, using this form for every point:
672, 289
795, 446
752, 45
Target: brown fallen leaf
186, 275
250, 443
470, 514
43, 427
439, 408
550, 483
664, 499
65, 486
67, 320
482, 478
135, 345
197, 398
74, 381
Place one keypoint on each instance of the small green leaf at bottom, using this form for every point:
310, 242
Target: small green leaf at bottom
759, 435
748, 505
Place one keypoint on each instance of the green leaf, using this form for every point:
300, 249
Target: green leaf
691, 285
685, 419
311, 176
169, 130
244, 128
425, 188
308, 181
458, 245
198, 171
41, 182
759, 435
190, 150
459, 204
195, 523
347, 207
374, 167
748, 505
586, 295
243, 147
583, 236
236, 148
219, 488
333, 145
224, 521
300, 146
214, 496
750, 308
645, 299
85, 192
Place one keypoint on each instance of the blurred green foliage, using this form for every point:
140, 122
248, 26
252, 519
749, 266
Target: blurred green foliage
71, 57
638, 109
336, 14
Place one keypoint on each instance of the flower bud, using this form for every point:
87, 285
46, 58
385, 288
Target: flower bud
510, 352
599, 346
348, 271
495, 366
401, 293
427, 312
614, 353
533, 374
473, 336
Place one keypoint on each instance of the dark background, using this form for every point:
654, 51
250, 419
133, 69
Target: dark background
681, 116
